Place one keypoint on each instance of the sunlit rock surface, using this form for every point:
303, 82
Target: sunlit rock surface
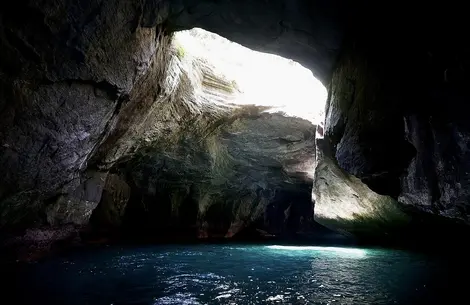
204, 162
344, 203
95, 87
309, 32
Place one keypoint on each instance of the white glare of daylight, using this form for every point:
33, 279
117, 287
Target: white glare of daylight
263, 79
336, 250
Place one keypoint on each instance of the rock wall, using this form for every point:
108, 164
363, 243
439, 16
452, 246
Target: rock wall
222, 183
344, 203
395, 115
66, 72
85, 88
93, 97
198, 164
309, 32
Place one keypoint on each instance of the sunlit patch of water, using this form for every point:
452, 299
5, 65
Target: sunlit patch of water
205, 274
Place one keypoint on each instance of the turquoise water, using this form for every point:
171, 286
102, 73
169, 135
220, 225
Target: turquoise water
237, 274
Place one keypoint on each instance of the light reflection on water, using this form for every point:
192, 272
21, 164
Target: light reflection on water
208, 274
336, 250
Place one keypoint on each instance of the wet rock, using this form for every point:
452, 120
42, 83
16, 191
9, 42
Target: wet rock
36, 243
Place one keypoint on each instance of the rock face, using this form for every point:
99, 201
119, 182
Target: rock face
344, 203
112, 206
395, 116
243, 172
76, 206
198, 164
87, 87
437, 179
309, 32
94, 87
66, 73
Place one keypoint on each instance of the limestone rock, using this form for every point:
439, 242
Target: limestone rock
228, 180
77, 206
66, 71
309, 32
345, 204
396, 117
199, 162
438, 179
364, 120
83, 85
114, 199
80, 83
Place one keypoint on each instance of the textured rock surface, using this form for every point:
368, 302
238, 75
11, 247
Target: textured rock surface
200, 164
345, 203
86, 85
76, 206
67, 70
242, 172
82, 86
396, 116
438, 177
111, 209
34, 243
309, 32
364, 116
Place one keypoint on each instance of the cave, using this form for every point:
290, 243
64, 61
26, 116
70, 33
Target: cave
124, 155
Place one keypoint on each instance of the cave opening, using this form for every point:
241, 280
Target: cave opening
262, 79
117, 133
243, 149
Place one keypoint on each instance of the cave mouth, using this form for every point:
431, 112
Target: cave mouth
260, 79
242, 154
217, 141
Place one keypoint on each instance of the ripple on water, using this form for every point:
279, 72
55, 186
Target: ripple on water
178, 299
278, 297
229, 275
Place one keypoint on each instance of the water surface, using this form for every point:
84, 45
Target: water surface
237, 274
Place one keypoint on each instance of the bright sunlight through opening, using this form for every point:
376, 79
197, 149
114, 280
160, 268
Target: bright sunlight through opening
262, 79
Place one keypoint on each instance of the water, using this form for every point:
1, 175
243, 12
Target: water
237, 274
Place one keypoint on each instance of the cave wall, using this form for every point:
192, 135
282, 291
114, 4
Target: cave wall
254, 169
309, 32
84, 86
77, 76
78, 81
67, 70
396, 115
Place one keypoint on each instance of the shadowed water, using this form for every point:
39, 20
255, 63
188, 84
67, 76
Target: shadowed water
220, 274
